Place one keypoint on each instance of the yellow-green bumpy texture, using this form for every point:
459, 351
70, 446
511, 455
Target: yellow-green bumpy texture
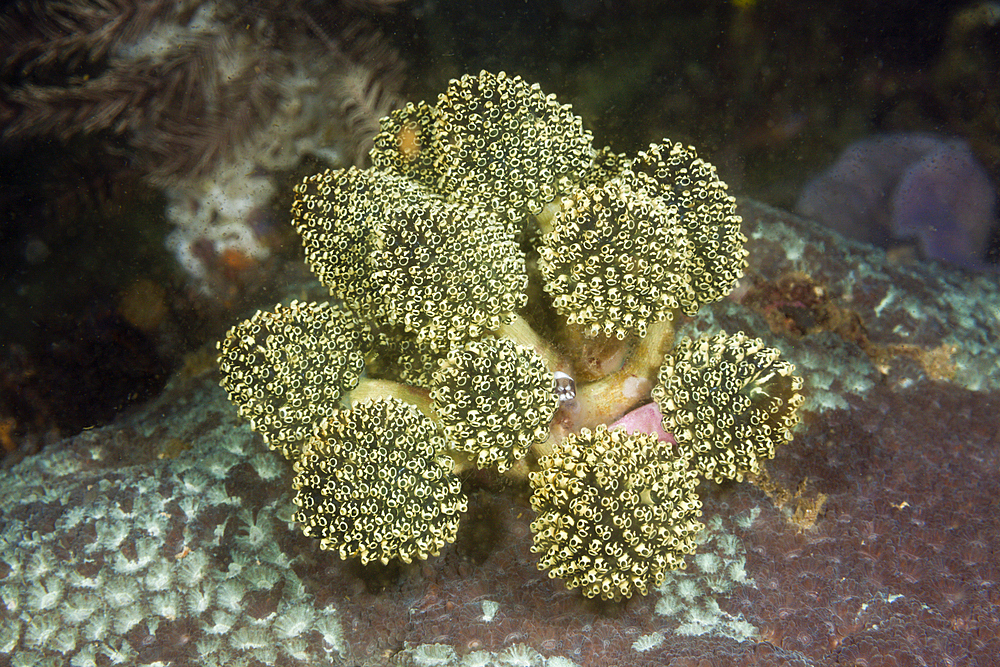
494, 399
691, 189
485, 216
614, 514
728, 401
287, 369
616, 260
370, 484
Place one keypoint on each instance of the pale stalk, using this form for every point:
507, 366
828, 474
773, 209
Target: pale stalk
606, 400
373, 388
519, 331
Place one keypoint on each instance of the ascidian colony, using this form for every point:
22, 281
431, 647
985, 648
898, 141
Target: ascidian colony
503, 298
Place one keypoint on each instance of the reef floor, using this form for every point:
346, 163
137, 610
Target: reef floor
165, 538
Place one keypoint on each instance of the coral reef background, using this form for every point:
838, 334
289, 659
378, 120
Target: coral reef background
872, 539
769, 91
167, 537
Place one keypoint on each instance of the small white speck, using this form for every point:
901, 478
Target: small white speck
121, 592
166, 605
110, 536
42, 562
688, 588
193, 567
558, 661
708, 563
741, 630
199, 600
668, 605
44, 596
647, 642
222, 623
691, 629
10, 630
737, 570
98, 627
118, 656
329, 627
73, 516
230, 595
433, 655
128, 617
217, 495
249, 638
79, 607
294, 621
268, 465
189, 505
519, 655
296, 649
159, 577
490, 609
746, 520
39, 629
194, 482
728, 543
85, 657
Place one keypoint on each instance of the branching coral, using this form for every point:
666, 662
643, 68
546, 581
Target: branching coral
501, 292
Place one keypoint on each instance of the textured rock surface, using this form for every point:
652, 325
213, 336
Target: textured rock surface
166, 538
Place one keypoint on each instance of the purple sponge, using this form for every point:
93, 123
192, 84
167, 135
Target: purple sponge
920, 188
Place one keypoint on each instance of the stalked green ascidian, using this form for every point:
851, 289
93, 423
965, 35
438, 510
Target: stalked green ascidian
502, 293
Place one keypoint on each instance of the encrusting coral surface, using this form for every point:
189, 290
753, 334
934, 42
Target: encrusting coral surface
501, 292
167, 537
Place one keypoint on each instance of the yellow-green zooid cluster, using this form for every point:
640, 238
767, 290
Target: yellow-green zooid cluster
501, 290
